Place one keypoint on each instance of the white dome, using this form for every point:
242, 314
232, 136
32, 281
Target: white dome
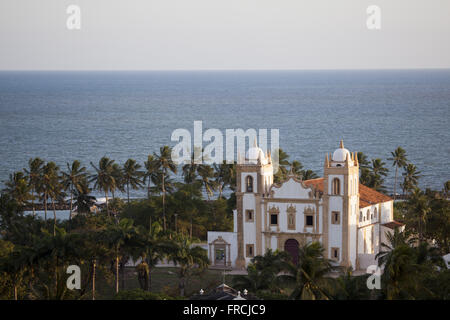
340, 154
254, 153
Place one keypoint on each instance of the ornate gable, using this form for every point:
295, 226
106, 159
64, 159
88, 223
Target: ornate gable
291, 188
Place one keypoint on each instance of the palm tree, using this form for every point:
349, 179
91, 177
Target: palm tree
54, 252
117, 235
399, 160
72, 179
104, 179
34, 173
188, 258
117, 173
255, 280
188, 201
309, 174
49, 185
399, 273
149, 246
394, 240
206, 173
405, 263
296, 168
151, 168
96, 251
263, 272
132, 176
309, 275
362, 160
283, 163
13, 265
190, 169
225, 174
351, 287
83, 200
410, 178
18, 188
378, 172
54, 188
165, 164
419, 208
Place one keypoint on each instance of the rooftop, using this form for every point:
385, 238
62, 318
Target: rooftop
367, 196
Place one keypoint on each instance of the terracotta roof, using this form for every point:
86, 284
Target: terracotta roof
393, 224
367, 196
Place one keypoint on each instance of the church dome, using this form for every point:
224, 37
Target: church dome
341, 153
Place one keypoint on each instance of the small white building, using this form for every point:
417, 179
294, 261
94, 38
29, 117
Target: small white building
348, 218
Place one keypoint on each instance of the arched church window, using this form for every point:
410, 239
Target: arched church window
375, 213
249, 184
360, 216
336, 186
368, 214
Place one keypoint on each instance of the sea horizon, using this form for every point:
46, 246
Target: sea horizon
130, 114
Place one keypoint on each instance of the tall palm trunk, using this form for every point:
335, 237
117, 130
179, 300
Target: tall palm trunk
164, 199
107, 207
220, 191
148, 189
71, 202
54, 217
32, 202
15, 292
45, 207
117, 273
93, 279
206, 190
149, 280
395, 182
182, 284
128, 192
56, 277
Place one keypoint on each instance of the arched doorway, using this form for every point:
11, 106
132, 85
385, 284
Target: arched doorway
291, 247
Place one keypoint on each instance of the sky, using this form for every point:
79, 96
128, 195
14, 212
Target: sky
223, 35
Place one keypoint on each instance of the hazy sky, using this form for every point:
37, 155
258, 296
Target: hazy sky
224, 34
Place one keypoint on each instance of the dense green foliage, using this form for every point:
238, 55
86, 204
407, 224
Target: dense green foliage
35, 252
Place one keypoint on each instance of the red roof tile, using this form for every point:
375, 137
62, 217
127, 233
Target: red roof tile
393, 224
367, 196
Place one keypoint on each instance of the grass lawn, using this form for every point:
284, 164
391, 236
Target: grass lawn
164, 280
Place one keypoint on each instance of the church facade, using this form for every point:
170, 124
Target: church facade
350, 220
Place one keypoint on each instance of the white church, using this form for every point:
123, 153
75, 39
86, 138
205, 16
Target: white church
349, 219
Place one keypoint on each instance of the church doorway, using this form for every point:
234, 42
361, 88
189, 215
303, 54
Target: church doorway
219, 255
291, 247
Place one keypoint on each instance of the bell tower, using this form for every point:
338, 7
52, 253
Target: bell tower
254, 176
341, 204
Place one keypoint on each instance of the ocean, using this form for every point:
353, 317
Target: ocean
63, 116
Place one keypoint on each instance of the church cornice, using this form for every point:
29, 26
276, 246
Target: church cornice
292, 200
283, 233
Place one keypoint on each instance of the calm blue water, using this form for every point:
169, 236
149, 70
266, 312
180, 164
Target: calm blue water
62, 116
